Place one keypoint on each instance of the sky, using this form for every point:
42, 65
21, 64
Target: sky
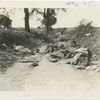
69, 19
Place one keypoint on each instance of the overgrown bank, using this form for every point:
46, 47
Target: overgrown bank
38, 37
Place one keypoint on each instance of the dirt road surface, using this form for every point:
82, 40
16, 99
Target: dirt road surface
51, 79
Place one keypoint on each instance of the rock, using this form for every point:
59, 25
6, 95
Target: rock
34, 64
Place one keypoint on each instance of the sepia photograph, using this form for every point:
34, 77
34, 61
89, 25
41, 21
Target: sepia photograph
51, 51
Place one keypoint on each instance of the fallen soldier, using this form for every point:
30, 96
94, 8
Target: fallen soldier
61, 54
82, 58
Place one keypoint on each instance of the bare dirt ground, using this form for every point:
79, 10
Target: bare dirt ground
52, 79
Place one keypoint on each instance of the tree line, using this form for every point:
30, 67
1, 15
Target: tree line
48, 17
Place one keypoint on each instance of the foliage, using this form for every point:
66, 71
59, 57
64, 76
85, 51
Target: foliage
14, 36
5, 21
84, 28
7, 11
48, 16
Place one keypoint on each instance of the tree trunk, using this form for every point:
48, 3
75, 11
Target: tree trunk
46, 18
27, 27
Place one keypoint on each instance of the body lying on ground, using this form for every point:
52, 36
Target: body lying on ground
82, 58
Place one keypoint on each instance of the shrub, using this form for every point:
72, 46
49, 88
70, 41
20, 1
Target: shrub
5, 21
11, 37
83, 28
